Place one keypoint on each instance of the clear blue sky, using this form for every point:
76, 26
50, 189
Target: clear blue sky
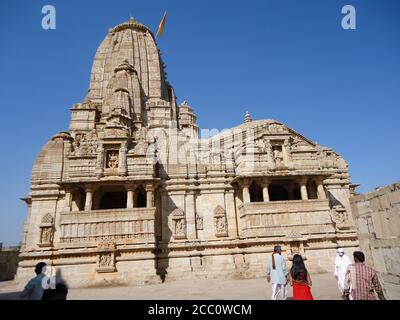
288, 60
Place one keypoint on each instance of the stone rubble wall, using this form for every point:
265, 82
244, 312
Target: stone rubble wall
377, 218
8, 263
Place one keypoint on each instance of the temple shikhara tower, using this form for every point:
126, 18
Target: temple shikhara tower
132, 194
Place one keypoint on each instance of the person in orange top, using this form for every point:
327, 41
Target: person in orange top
300, 279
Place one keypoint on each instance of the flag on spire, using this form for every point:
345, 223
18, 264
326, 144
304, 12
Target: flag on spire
161, 25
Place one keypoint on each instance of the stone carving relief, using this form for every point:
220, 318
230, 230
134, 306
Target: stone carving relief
47, 218
46, 236
199, 222
179, 224
277, 128
105, 260
85, 144
46, 230
295, 242
339, 216
112, 159
106, 257
220, 222
278, 155
141, 139
329, 159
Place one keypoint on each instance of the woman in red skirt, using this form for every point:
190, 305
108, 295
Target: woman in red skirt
300, 280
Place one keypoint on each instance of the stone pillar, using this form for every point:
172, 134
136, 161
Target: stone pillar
321, 190
246, 192
68, 201
231, 213
265, 191
287, 157
303, 189
100, 160
190, 212
89, 199
149, 196
268, 149
122, 168
129, 197
285, 153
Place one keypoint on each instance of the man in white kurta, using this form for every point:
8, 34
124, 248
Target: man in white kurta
277, 274
342, 261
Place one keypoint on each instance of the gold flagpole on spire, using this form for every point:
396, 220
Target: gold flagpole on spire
161, 25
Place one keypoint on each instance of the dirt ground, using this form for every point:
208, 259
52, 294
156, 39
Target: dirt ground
324, 288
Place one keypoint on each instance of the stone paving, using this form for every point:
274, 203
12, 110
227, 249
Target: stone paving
324, 288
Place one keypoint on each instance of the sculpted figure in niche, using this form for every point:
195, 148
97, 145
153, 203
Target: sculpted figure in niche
105, 260
221, 227
46, 235
112, 159
278, 155
199, 222
179, 228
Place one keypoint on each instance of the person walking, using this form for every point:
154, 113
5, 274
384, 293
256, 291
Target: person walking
34, 289
277, 273
361, 282
342, 262
300, 279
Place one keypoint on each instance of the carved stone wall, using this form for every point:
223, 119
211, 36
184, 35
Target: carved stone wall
377, 216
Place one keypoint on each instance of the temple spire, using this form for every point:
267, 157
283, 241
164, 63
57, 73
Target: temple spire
247, 118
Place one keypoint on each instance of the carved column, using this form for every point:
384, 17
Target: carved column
268, 149
129, 197
100, 161
190, 211
265, 190
321, 190
231, 213
89, 198
246, 192
68, 201
122, 168
149, 196
303, 189
287, 159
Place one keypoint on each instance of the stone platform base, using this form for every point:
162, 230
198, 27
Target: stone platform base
195, 266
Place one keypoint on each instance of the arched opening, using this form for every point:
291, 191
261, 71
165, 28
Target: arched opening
256, 193
140, 197
78, 200
278, 193
312, 189
110, 197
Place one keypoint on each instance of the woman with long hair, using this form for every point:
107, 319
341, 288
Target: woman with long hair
300, 280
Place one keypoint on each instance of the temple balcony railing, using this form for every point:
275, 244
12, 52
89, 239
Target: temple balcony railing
280, 218
134, 225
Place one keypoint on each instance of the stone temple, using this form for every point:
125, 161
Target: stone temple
132, 194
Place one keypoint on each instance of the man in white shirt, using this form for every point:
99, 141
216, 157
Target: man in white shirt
342, 261
277, 273
35, 288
